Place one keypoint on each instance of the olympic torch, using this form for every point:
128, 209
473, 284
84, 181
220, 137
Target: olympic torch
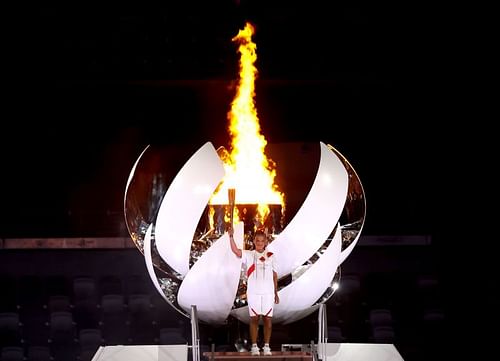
231, 194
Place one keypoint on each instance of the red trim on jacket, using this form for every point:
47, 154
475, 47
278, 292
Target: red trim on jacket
250, 269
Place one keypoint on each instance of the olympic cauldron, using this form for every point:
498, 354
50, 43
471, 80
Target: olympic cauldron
185, 242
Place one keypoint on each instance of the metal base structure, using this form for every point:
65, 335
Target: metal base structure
195, 334
323, 351
319, 351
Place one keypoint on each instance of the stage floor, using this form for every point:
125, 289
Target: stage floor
246, 356
330, 352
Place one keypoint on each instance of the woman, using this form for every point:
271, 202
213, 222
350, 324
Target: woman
262, 287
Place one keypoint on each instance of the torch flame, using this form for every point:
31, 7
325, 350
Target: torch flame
247, 167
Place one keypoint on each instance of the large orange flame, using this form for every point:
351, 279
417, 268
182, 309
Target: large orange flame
248, 169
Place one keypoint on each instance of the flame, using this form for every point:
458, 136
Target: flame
247, 167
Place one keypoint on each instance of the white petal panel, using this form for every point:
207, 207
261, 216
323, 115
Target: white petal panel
133, 170
243, 315
183, 205
298, 315
319, 213
355, 178
212, 282
308, 288
149, 262
297, 298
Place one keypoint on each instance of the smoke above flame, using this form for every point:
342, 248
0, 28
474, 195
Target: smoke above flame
247, 167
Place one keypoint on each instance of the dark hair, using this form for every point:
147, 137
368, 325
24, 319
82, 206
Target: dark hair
259, 233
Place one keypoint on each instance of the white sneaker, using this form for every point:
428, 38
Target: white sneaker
255, 350
267, 351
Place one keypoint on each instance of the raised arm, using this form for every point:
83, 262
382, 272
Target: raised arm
234, 248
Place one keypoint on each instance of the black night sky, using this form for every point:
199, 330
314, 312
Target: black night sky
94, 86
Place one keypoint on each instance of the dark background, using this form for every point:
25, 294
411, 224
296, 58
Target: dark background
89, 86
93, 85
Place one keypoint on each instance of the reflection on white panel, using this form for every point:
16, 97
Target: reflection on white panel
149, 262
212, 282
316, 218
183, 205
241, 314
346, 252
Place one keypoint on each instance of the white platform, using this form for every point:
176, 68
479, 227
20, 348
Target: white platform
333, 352
142, 353
360, 352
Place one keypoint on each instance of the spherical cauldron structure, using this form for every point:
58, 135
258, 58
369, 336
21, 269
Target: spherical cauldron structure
186, 246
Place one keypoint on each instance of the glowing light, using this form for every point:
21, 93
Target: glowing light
247, 167
335, 286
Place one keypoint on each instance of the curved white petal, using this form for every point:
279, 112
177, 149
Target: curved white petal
133, 170
149, 262
183, 205
297, 298
319, 213
298, 315
308, 288
212, 282
243, 315
355, 178
131, 175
